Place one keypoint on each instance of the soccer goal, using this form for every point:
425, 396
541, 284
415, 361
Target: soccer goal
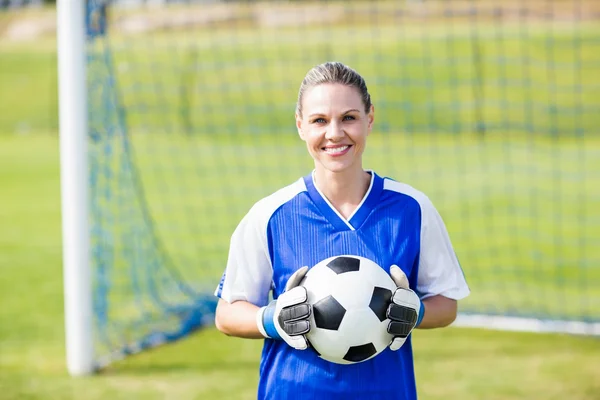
175, 117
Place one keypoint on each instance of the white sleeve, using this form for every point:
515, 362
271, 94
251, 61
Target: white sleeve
439, 270
249, 272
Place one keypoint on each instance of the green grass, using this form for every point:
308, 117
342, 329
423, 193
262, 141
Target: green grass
534, 77
422, 79
511, 169
465, 364
519, 201
520, 212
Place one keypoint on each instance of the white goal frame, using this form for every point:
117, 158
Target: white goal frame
73, 132
522, 324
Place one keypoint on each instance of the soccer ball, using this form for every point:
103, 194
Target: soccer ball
349, 297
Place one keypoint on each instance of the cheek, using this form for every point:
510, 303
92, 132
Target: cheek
312, 137
360, 136
310, 141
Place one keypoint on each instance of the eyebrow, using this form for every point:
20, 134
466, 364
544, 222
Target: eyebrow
345, 112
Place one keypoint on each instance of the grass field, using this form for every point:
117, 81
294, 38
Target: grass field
465, 364
509, 152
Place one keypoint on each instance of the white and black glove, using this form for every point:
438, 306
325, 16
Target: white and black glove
405, 311
287, 318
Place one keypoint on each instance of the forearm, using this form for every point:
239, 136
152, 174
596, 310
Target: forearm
237, 319
440, 311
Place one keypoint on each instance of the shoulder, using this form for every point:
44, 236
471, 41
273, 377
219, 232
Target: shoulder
263, 209
404, 189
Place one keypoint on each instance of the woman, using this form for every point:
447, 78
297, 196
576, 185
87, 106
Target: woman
338, 209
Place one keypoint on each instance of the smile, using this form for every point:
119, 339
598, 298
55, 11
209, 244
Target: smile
336, 151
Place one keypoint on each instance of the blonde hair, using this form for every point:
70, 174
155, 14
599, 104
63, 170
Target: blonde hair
334, 72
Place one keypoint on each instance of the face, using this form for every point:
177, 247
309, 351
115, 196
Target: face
334, 126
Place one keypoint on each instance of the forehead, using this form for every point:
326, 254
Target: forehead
326, 98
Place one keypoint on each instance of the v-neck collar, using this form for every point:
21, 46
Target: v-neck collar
359, 215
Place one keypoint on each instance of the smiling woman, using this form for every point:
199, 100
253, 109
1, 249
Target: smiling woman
338, 209
335, 127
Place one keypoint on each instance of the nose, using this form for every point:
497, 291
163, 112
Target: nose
334, 131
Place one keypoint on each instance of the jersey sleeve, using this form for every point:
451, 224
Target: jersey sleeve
440, 272
249, 273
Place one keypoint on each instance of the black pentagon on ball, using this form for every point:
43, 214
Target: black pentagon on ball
342, 264
328, 313
380, 300
360, 353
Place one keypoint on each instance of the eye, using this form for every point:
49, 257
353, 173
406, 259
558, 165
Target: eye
318, 120
349, 118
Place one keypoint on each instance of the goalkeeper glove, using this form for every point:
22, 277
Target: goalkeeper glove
287, 318
405, 311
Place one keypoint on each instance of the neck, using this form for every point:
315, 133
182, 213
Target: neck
344, 190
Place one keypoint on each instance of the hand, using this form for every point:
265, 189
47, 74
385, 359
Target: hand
287, 318
405, 311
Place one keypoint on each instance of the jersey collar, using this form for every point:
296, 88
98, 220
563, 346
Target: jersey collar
361, 213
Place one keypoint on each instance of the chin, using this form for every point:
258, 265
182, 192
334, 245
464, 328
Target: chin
336, 167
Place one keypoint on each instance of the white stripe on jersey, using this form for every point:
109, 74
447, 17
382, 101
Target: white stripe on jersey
249, 263
439, 270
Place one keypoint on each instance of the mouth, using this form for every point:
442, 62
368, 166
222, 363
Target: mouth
336, 150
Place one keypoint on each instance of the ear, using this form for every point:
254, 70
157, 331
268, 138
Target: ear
299, 126
371, 118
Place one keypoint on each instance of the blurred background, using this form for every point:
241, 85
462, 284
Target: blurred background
492, 108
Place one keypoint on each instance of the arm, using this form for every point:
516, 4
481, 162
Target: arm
440, 281
244, 309
439, 312
246, 282
286, 318
237, 319
407, 312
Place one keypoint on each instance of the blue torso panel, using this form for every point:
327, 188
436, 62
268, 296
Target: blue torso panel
386, 228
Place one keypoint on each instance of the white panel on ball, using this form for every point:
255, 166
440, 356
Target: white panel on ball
366, 328
319, 280
352, 290
349, 296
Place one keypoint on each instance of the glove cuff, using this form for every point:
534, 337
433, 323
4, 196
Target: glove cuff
421, 314
265, 320
259, 322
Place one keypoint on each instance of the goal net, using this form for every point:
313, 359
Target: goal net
491, 108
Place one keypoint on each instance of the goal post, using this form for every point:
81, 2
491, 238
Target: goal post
73, 113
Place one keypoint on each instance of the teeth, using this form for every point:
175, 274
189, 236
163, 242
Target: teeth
334, 150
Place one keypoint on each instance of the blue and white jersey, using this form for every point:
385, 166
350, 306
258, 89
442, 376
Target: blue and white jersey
297, 226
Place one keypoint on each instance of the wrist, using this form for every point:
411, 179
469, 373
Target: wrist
259, 322
421, 314
266, 322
